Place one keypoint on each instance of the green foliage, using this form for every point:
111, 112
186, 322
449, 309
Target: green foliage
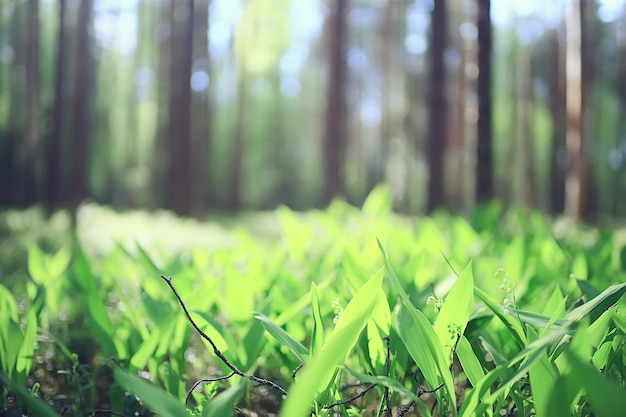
534, 323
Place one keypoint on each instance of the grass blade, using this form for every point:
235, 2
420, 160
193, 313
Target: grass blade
455, 312
223, 404
598, 305
36, 406
335, 350
283, 337
424, 347
606, 397
470, 363
156, 399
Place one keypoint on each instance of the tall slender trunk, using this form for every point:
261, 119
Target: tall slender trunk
437, 107
335, 137
234, 192
558, 160
201, 108
527, 137
620, 174
575, 176
28, 184
484, 162
180, 159
160, 161
386, 61
82, 106
54, 150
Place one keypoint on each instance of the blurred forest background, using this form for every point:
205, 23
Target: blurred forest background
212, 105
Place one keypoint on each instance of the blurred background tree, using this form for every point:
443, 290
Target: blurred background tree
209, 105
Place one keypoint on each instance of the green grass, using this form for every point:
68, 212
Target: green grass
499, 313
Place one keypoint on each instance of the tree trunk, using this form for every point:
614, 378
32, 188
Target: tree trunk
557, 98
234, 192
386, 61
54, 150
575, 198
437, 107
334, 141
527, 136
83, 87
620, 167
28, 159
161, 158
201, 107
180, 165
484, 162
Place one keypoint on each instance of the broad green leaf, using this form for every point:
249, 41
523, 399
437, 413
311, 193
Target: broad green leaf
317, 332
27, 347
512, 324
606, 397
619, 318
101, 324
82, 275
252, 343
587, 289
297, 306
8, 314
424, 347
579, 266
37, 265
8, 306
595, 307
527, 358
215, 331
622, 258
377, 329
393, 278
238, 296
542, 377
156, 399
145, 350
455, 312
146, 260
223, 404
283, 337
379, 201
12, 346
470, 363
555, 307
36, 406
601, 355
59, 263
541, 320
562, 397
336, 348
597, 331
479, 391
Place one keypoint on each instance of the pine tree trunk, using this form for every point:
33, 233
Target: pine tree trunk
335, 137
437, 107
180, 166
54, 150
484, 162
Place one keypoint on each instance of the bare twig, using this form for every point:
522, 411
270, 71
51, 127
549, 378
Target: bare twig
405, 409
205, 381
216, 351
351, 399
295, 371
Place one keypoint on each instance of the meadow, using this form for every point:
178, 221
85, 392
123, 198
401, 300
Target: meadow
341, 312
